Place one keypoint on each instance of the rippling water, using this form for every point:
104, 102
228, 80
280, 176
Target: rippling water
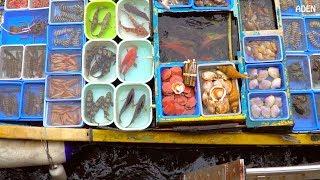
112, 161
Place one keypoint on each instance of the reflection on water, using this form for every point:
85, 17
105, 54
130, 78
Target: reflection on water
106, 161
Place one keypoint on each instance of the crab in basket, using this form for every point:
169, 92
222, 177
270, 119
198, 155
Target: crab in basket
178, 99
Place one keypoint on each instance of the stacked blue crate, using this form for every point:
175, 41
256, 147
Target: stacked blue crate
22, 90
301, 32
63, 60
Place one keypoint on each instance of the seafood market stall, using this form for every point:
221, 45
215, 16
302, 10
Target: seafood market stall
226, 72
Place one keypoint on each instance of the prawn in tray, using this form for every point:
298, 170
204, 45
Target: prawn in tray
133, 19
135, 61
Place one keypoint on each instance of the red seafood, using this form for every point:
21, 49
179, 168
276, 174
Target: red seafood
129, 60
176, 104
179, 48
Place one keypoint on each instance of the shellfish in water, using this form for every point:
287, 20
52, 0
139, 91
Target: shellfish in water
178, 87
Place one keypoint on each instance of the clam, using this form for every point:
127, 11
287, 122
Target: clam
209, 75
178, 87
275, 111
265, 84
221, 75
269, 101
274, 72
253, 84
278, 102
276, 83
207, 85
257, 101
223, 107
255, 111
263, 74
253, 73
266, 112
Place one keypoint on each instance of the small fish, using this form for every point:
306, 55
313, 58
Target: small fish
134, 10
96, 66
137, 29
140, 105
179, 48
129, 60
127, 103
95, 20
104, 24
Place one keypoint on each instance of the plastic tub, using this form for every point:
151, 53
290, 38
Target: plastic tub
199, 92
44, 5
288, 9
33, 67
7, 8
65, 36
143, 120
69, 87
66, 61
296, 83
284, 110
32, 100
160, 109
11, 69
188, 5
313, 33
98, 90
25, 18
227, 6
89, 47
89, 12
294, 40
263, 68
123, 17
54, 111
301, 122
72, 13
275, 38
314, 71
10, 101
143, 69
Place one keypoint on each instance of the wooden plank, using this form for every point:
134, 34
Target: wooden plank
41, 133
206, 138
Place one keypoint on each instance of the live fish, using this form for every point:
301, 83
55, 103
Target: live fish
104, 24
179, 48
134, 10
137, 29
127, 103
209, 38
95, 20
140, 105
129, 60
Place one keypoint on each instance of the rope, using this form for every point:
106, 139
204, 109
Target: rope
45, 144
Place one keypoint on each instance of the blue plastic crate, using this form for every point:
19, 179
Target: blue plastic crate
76, 53
24, 19
317, 106
10, 69
228, 6
284, 109
294, 40
75, 108
275, 38
189, 5
35, 89
294, 82
160, 113
55, 11
304, 123
265, 67
67, 95
313, 33
65, 36
10, 92
289, 10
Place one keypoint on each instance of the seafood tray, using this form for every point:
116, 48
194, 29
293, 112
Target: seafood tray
64, 61
313, 33
10, 101
65, 36
66, 11
25, 27
304, 112
33, 66
173, 4
33, 100
269, 76
294, 34
212, 5
100, 20
288, 7
315, 72
11, 62
298, 68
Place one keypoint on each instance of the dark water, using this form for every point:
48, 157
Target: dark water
112, 161
201, 36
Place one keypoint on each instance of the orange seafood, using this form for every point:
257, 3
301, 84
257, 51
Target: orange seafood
166, 74
231, 72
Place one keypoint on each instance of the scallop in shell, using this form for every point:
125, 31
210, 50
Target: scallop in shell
209, 75
274, 72
255, 111
266, 112
223, 107
217, 93
207, 85
178, 87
